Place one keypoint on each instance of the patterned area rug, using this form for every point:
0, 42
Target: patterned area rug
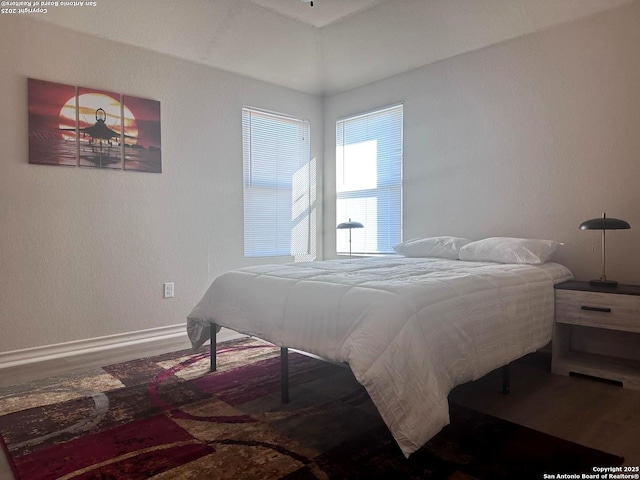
166, 417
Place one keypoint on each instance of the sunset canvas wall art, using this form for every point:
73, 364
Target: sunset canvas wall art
142, 150
99, 128
52, 123
82, 126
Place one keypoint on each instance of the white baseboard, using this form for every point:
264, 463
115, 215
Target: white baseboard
169, 338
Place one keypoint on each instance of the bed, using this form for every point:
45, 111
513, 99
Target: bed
410, 329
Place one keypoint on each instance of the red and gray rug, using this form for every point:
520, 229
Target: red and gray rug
167, 417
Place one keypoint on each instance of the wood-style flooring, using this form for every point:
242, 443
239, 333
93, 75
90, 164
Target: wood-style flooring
586, 411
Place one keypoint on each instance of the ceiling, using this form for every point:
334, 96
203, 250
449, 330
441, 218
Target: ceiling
321, 14
330, 47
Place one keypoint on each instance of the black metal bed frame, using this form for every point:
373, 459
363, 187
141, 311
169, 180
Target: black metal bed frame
284, 368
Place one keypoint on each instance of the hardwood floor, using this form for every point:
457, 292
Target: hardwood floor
586, 411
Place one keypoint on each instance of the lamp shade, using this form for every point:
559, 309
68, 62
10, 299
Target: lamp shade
349, 224
604, 223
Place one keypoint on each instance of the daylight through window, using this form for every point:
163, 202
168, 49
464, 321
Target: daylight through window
369, 180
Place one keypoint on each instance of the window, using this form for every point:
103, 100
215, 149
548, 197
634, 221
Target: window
369, 180
278, 183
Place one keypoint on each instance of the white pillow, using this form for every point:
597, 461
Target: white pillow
509, 250
442, 247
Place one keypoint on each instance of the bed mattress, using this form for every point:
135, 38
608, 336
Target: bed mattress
410, 329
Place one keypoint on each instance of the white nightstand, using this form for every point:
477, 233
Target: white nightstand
597, 332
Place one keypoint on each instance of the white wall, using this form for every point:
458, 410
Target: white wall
84, 252
526, 138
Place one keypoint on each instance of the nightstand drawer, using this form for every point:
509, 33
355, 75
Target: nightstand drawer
597, 309
597, 332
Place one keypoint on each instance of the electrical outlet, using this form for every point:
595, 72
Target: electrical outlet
168, 290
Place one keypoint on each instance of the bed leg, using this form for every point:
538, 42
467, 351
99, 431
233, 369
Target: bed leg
506, 380
284, 374
212, 346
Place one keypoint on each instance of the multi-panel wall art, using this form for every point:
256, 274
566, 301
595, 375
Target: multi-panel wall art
92, 128
52, 123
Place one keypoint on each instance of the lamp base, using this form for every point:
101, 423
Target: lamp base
604, 283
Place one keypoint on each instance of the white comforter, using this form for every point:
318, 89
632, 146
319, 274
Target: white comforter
410, 329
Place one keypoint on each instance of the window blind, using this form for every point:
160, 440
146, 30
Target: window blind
369, 180
277, 182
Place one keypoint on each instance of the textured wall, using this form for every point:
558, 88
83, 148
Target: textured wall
84, 252
526, 138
